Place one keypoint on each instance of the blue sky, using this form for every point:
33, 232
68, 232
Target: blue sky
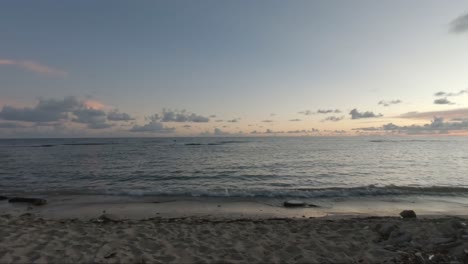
269, 65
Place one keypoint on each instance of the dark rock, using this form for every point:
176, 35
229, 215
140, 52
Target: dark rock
398, 238
3, 198
110, 255
294, 203
386, 229
450, 245
447, 230
107, 218
457, 224
443, 240
34, 201
26, 215
408, 214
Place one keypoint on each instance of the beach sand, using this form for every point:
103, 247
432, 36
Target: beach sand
41, 236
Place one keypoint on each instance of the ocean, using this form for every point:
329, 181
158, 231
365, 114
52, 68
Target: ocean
304, 167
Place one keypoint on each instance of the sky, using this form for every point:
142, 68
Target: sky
233, 68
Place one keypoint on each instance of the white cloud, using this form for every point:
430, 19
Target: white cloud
34, 67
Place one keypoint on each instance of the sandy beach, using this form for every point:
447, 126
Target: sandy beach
127, 233
27, 239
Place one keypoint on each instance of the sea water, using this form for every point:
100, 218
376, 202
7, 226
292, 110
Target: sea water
304, 167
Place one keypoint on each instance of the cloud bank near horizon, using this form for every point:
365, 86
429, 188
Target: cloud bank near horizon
71, 115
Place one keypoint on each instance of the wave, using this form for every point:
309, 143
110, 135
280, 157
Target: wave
363, 191
215, 143
66, 144
335, 192
402, 140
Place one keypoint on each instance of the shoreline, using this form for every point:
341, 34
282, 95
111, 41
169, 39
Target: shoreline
87, 207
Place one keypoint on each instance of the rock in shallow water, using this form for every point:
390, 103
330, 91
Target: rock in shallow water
294, 203
34, 201
408, 214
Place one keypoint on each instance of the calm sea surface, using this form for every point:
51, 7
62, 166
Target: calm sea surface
237, 167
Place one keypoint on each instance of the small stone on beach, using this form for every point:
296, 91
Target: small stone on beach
110, 255
408, 214
107, 218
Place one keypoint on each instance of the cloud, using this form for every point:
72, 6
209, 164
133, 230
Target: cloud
295, 120
99, 125
446, 94
328, 111
115, 115
460, 24
321, 111
235, 120
182, 116
389, 103
368, 129
448, 114
219, 132
93, 118
34, 67
89, 103
306, 112
267, 132
268, 121
62, 110
339, 131
45, 111
303, 131
11, 125
436, 126
442, 101
333, 118
355, 114
153, 126
219, 120
272, 132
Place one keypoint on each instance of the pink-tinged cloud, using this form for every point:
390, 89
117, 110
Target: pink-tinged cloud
34, 67
94, 104
448, 114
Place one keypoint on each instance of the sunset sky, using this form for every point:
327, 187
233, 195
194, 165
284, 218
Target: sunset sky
251, 68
